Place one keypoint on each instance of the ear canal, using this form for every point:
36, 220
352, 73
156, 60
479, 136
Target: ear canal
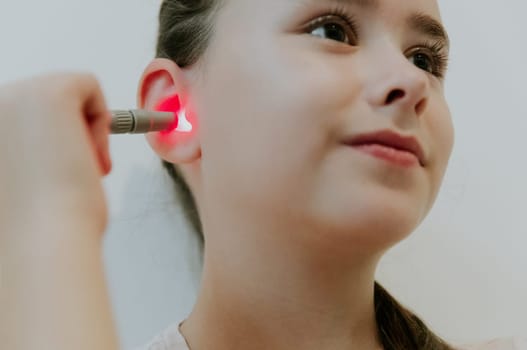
183, 124
173, 104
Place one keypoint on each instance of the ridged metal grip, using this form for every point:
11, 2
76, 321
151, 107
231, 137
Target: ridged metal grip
139, 121
122, 122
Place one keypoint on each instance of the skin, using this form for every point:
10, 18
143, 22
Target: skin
53, 293
295, 221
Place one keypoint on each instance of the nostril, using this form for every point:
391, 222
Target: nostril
394, 95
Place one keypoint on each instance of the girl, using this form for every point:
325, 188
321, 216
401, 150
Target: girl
321, 137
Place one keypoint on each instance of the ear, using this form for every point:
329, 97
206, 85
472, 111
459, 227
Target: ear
162, 79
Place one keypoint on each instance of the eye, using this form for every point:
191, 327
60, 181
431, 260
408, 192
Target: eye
333, 31
334, 28
431, 57
422, 61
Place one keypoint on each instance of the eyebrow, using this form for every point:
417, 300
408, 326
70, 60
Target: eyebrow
419, 21
371, 4
429, 26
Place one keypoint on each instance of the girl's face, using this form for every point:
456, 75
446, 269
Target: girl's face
285, 84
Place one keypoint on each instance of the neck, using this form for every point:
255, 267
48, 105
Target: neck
258, 292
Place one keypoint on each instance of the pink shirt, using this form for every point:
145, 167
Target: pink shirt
171, 339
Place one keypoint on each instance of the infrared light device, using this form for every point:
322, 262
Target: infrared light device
139, 121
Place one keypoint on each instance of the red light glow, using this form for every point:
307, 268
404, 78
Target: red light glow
173, 105
185, 122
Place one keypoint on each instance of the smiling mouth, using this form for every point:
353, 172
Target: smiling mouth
390, 145
389, 154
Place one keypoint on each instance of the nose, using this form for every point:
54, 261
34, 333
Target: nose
400, 85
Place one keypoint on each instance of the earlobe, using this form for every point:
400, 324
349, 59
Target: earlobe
163, 79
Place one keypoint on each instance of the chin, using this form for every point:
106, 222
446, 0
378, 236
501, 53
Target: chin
380, 224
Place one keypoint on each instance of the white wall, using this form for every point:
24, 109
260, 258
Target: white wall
463, 270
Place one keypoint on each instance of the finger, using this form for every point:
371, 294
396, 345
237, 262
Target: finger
98, 121
100, 131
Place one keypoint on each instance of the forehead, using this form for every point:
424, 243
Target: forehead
429, 6
260, 16
393, 8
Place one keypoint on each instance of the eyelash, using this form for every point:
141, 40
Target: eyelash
436, 49
339, 12
436, 54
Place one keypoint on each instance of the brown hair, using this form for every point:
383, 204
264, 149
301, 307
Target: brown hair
185, 28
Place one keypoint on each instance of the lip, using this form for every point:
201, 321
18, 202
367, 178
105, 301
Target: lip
390, 145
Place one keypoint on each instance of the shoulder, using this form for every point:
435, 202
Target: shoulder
513, 343
168, 339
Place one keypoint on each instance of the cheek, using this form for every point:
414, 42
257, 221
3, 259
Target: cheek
441, 134
276, 89
268, 116
269, 107
444, 136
